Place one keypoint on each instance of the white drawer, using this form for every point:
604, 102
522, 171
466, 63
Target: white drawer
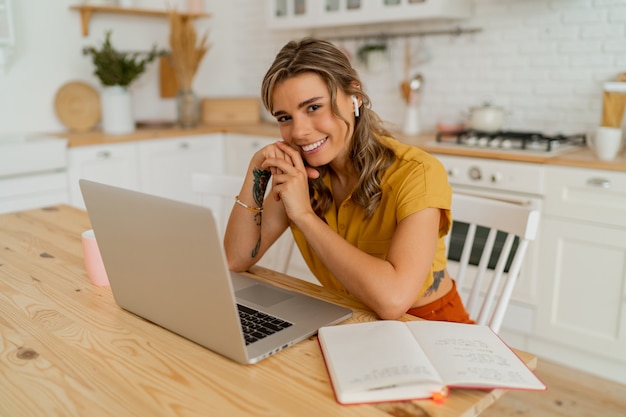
586, 194
32, 191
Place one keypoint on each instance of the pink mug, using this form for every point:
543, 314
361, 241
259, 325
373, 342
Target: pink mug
93, 261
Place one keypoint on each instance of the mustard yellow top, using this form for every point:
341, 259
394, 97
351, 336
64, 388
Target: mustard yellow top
415, 181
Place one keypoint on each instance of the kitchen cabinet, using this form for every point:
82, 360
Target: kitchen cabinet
33, 172
291, 14
582, 285
31, 191
114, 164
161, 167
87, 11
166, 165
240, 149
301, 14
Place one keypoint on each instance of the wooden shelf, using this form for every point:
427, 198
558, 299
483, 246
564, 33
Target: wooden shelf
86, 11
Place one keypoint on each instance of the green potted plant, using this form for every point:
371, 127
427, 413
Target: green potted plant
116, 71
374, 56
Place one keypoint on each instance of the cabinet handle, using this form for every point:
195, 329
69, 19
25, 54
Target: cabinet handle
103, 155
184, 145
599, 182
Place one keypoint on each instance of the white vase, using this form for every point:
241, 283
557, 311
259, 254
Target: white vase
412, 120
117, 111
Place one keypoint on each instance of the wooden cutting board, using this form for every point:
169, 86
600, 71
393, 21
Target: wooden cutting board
233, 111
167, 78
77, 105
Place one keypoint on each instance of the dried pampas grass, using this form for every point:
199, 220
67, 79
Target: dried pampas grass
185, 54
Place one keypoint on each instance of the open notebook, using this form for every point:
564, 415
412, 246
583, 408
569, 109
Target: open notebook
393, 360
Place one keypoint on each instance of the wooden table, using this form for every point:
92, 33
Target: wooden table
66, 348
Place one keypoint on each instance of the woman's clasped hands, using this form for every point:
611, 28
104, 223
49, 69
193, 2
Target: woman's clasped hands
289, 177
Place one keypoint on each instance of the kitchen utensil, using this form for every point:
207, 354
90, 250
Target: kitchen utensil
77, 105
405, 86
450, 127
412, 116
168, 83
412, 121
613, 104
486, 118
414, 87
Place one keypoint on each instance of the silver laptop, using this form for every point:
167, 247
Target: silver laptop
165, 262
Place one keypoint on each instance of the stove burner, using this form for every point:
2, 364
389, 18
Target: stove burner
531, 141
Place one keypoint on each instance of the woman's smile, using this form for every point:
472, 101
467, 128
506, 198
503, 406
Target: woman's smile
312, 147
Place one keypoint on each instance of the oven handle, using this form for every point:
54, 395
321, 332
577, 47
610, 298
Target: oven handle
520, 201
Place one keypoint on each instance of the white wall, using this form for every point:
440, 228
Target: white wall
545, 61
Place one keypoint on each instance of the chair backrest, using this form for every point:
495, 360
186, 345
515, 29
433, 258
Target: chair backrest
218, 191
517, 226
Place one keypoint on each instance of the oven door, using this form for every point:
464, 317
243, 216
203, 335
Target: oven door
520, 313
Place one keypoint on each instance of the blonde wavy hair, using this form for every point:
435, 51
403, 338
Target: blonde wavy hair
369, 156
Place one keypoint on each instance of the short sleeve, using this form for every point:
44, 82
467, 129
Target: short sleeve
422, 184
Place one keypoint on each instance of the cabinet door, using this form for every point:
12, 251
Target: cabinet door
398, 10
299, 14
342, 12
167, 164
586, 194
33, 191
582, 290
114, 164
240, 149
291, 14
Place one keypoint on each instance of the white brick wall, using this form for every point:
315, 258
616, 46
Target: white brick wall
544, 61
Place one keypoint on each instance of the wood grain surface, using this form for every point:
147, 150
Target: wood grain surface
68, 350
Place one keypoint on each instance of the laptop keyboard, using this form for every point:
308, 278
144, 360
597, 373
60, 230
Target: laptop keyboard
257, 325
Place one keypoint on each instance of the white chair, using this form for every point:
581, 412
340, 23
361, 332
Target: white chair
218, 191
488, 307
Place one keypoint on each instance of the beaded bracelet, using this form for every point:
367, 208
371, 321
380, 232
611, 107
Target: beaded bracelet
247, 207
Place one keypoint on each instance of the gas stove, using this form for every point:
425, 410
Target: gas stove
514, 141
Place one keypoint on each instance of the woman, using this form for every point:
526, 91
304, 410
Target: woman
368, 213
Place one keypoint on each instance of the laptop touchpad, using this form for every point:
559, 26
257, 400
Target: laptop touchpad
262, 295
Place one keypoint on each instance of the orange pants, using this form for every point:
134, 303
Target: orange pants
447, 308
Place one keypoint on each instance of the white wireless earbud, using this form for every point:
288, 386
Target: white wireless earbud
356, 106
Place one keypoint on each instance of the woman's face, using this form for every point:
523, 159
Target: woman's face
302, 107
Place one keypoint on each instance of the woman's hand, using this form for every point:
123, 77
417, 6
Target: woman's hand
272, 151
290, 181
